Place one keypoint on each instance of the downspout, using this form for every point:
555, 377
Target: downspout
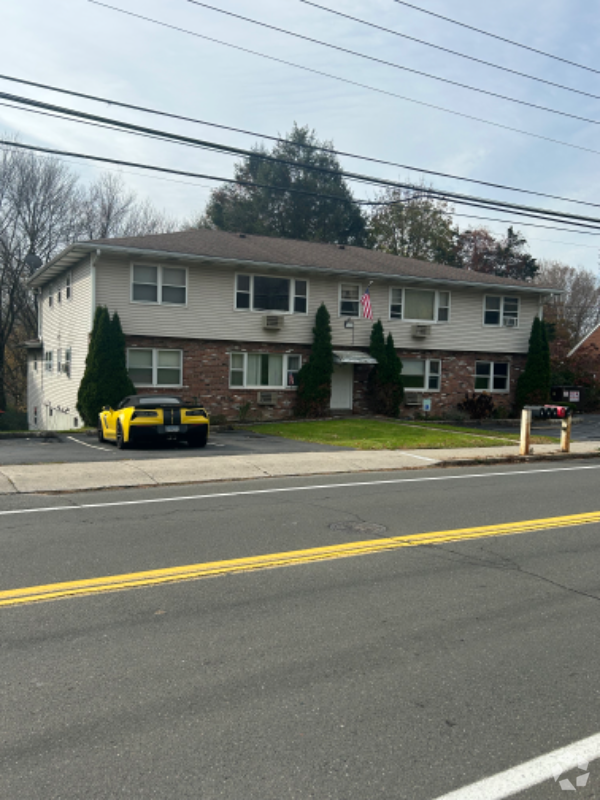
93, 259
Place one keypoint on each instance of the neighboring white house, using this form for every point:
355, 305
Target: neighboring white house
226, 319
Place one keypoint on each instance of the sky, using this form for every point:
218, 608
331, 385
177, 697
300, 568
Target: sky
91, 48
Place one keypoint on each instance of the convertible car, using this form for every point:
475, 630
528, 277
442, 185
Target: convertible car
143, 418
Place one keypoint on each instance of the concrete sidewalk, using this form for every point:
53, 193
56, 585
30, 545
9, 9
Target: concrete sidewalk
69, 477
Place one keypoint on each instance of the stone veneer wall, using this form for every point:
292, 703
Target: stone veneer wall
206, 377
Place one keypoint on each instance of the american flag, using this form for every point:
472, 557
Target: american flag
365, 301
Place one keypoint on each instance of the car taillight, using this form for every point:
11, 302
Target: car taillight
196, 412
137, 414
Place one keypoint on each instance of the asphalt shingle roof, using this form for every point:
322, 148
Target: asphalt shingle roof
291, 252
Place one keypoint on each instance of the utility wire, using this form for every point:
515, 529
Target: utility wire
66, 156
350, 82
394, 65
461, 199
279, 139
452, 52
496, 36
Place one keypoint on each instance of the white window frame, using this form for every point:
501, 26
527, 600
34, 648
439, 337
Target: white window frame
490, 388
428, 374
284, 372
58, 360
159, 285
291, 310
360, 294
501, 323
436, 305
69, 286
155, 367
68, 361
48, 360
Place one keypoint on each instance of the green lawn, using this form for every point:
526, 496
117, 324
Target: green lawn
380, 435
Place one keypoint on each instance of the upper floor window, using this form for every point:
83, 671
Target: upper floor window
270, 293
50, 297
501, 311
162, 285
153, 367
420, 305
260, 370
349, 300
424, 374
48, 360
68, 286
491, 376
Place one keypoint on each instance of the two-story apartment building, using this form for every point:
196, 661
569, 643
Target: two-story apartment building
227, 319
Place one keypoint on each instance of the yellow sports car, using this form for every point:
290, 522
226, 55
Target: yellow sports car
143, 418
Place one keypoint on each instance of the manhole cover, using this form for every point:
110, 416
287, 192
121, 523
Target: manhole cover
358, 527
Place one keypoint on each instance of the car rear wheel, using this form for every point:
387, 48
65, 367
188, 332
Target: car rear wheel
121, 443
100, 432
198, 438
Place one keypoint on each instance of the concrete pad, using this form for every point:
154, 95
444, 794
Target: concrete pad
6, 486
200, 470
75, 477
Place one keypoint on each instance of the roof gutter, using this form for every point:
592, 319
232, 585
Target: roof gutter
236, 262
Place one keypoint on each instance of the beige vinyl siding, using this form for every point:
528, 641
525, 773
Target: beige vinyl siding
210, 312
64, 325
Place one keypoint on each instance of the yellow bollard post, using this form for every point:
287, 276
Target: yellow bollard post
525, 432
565, 435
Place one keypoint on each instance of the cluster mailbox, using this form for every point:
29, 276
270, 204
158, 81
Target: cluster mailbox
550, 412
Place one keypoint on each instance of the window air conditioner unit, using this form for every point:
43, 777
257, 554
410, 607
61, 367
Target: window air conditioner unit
420, 331
267, 398
413, 398
273, 322
510, 322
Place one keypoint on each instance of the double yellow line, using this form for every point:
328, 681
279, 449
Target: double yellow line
112, 583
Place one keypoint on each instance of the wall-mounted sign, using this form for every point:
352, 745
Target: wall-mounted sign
427, 404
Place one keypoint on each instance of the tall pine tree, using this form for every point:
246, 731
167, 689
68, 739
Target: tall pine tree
533, 385
314, 379
91, 395
384, 386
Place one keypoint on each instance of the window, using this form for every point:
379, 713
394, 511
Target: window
423, 374
68, 362
50, 298
75, 422
349, 300
269, 293
34, 363
59, 296
420, 305
260, 370
35, 415
48, 360
501, 311
68, 288
162, 285
491, 376
58, 360
155, 367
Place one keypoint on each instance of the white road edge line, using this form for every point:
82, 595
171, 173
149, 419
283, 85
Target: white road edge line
531, 773
289, 489
85, 444
423, 458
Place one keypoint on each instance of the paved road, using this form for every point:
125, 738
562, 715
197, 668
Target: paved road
400, 674
84, 448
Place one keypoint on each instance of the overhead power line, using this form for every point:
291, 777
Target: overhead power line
496, 36
279, 139
348, 81
68, 155
452, 52
394, 65
576, 220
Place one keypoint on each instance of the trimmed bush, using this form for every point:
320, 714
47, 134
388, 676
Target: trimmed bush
314, 378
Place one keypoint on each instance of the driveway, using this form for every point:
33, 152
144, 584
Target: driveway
79, 447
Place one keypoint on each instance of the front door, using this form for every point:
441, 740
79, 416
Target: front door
342, 382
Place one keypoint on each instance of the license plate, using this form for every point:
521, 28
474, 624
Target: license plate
171, 428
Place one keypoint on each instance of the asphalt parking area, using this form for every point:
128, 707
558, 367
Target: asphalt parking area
73, 448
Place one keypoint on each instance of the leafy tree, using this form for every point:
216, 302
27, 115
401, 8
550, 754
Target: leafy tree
260, 210
506, 257
314, 378
384, 386
533, 385
576, 311
414, 224
92, 392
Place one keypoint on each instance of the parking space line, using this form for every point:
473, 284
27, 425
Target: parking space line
93, 446
532, 773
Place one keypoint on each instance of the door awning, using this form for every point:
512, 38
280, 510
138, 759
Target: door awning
352, 357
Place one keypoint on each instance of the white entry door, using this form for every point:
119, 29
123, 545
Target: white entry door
342, 382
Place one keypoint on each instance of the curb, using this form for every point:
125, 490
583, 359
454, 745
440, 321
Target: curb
29, 435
